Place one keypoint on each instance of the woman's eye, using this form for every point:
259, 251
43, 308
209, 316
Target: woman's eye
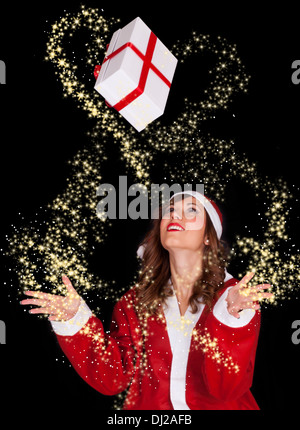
167, 211
191, 212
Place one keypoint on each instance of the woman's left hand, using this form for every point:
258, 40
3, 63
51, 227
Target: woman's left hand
242, 296
59, 308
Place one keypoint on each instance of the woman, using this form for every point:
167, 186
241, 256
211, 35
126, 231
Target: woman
185, 336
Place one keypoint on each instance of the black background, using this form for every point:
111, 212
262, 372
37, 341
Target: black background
41, 131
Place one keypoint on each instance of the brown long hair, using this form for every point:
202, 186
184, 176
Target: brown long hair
153, 287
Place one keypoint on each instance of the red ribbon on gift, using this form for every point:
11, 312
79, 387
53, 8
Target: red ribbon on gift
97, 71
147, 65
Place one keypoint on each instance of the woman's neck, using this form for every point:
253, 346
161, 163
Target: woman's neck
185, 267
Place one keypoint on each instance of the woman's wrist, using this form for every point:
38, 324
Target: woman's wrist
73, 325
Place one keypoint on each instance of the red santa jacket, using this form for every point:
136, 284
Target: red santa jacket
137, 356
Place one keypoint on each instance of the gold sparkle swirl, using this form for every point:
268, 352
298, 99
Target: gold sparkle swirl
210, 346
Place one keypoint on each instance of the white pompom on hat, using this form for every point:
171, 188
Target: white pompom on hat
211, 208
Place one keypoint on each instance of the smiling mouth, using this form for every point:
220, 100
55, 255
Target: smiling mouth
174, 227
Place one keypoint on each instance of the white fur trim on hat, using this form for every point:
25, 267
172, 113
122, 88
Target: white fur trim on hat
213, 214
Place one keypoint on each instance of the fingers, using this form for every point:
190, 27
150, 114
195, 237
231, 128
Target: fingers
261, 296
40, 295
251, 302
249, 305
234, 312
41, 311
54, 318
261, 287
48, 303
45, 306
248, 291
37, 302
46, 296
243, 282
254, 293
256, 289
54, 315
68, 284
246, 279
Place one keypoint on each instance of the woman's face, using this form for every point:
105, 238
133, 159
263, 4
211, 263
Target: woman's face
183, 225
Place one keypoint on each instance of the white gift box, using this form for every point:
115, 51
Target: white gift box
136, 75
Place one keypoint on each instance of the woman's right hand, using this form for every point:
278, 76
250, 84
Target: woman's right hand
59, 308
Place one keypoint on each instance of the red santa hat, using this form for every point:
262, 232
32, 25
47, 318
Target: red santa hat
211, 208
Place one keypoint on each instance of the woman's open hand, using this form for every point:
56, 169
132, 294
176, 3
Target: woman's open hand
242, 296
59, 308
